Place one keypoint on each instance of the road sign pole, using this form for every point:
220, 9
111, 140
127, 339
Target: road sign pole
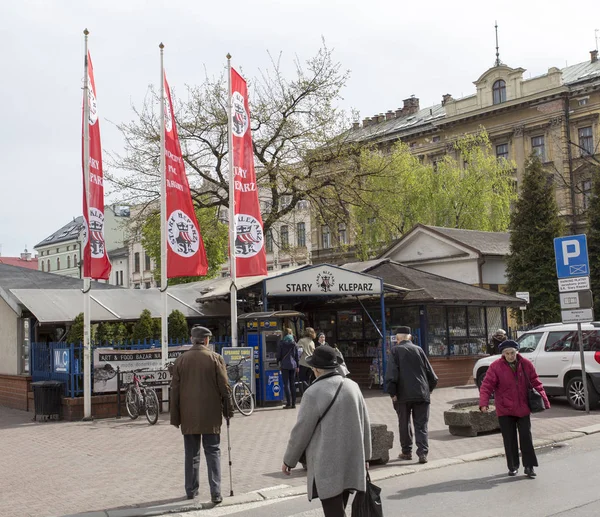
583, 374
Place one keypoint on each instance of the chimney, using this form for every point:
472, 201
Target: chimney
411, 105
356, 125
380, 117
446, 98
367, 122
389, 115
26, 256
594, 55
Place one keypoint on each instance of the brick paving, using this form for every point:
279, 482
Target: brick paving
59, 468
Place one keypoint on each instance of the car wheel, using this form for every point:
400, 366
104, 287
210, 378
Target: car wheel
576, 394
480, 377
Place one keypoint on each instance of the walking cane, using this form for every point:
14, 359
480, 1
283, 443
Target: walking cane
228, 446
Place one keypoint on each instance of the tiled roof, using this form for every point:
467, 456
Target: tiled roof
19, 262
429, 288
68, 232
487, 243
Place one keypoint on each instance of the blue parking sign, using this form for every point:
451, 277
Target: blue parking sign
571, 256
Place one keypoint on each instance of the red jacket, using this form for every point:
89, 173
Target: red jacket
510, 388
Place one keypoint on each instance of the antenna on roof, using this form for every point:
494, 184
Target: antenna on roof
596, 36
498, 62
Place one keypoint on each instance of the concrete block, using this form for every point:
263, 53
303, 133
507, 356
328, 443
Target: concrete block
382, 441
465, 419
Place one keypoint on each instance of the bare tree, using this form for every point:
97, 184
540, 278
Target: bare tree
300, 140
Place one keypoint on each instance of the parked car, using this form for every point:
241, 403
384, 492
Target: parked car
554, 350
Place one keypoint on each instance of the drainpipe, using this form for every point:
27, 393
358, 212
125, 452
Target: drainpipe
570, 161
480, 263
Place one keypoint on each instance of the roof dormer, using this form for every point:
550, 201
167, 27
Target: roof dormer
498, 85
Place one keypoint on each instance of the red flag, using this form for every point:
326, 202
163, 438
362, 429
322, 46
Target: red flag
249, 235
95, 259
185, 251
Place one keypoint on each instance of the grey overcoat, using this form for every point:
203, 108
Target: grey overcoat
337, 448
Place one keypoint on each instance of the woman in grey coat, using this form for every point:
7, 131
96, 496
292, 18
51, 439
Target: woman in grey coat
336, 436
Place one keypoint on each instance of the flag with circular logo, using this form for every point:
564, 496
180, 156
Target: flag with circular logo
95, 257
249, 250
186, 255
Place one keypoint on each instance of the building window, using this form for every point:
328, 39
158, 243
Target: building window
586, 141
586, 189
436, 139
269, 241
48, 265
57, 250
301, 235
43, 265
121, 278
57, 263
502, 151
499, 90
342, 235
74, 260
68, 248
325, 237
537, 146
147, 285
68, 261
147, 266
136, 263
285, 201
285, 237
302, 204
136, 286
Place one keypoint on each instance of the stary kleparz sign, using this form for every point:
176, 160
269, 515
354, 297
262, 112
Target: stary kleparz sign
323, 280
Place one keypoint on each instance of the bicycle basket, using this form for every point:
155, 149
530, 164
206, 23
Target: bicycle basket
233, 372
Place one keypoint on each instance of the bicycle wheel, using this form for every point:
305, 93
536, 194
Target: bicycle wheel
243, 399
132, 402
151, 406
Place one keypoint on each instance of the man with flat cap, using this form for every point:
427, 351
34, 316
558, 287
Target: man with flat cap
199, 398
410, 379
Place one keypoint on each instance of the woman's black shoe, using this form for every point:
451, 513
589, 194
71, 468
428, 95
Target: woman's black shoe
529, 472
513, 472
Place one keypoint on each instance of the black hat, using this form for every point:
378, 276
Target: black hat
403, 330
324, 357
509, 343
200, 332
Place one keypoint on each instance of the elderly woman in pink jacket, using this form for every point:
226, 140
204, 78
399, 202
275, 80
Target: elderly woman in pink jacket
509, 378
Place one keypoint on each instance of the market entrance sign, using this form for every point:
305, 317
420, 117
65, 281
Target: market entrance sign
323, 280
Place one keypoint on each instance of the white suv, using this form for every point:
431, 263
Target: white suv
554, 350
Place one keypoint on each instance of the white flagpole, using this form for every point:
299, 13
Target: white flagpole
233, 292
87, 284
163, 231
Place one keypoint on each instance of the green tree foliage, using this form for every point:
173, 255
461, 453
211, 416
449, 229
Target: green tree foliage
144, 327
178, 327
156, 328
534, 225
473, 191
105, 333
214, 233
121, 333
75, 334
593, 237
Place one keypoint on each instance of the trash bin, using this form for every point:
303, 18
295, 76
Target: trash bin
47, 398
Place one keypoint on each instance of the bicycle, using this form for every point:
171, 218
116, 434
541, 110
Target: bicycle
242, 394
140, 397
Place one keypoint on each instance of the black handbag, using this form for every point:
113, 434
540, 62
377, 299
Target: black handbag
368, 503
535, 400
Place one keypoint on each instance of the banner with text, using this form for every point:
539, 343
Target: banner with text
249, 249
107, 360
95, 258
186, 255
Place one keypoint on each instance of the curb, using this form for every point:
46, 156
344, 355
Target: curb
287, 491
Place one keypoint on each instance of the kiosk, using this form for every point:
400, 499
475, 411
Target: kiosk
263, 331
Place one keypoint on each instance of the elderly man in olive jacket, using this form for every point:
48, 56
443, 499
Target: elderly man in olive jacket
199, 394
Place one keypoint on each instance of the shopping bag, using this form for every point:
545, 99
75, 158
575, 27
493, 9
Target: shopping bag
368, 503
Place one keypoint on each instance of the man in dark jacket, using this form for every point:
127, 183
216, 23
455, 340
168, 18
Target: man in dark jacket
288, 357
410, 379
199, 397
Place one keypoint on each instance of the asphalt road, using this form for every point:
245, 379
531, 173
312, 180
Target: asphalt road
567, 485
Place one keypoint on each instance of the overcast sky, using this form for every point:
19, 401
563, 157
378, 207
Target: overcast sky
393, 50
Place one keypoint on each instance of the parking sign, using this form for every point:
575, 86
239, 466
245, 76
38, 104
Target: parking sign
571, 256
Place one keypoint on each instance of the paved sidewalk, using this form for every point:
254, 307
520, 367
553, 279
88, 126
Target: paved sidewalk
59, 468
